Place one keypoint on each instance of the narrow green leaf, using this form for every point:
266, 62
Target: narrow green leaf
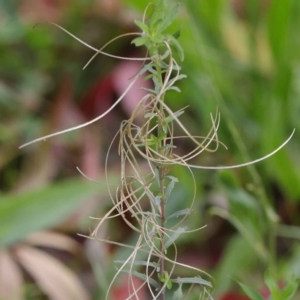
149, 76
150, 115
161, 136
253, 294
165, 55
156, 85
291, 288
143, 277
171, 117
174, 237
271, 283
177, 34
147, 67
176, 46
169, 146
151, 198
278, 27
170, 186
163, 65
142, 26
179, 213
38, 210
148, 90
192, 280
157, 176
174, 88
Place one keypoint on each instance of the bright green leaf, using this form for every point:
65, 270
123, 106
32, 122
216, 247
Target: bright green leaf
254, 295
177, 47
140, 41
272, 284
168, 18
291, 288
142, 26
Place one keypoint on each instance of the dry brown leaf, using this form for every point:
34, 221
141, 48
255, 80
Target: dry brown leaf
53, 240
11, 281
54, 279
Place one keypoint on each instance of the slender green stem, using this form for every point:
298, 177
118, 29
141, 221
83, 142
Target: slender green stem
163, 221
161, 178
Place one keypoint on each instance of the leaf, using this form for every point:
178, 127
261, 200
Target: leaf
174, 237
140, 41
271, 283
150, 115
151, 198
11, 281
172, 117
149, 76
57, 281
166, 66
38, 210
165, 279
146, 68
177, 34
156, 85
157, 200
168, 18
143, 277
148, 90
192, 280
178, 295
169, 284
157, 176
291, 288
253, 294
165, 55
176, 46
231, 260
158, 38
170, 186
179, 213
142, 26
278, 27
175, 88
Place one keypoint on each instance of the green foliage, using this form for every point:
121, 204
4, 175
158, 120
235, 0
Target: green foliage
22, 214
153, 34
243, 59
254, 295
286, 293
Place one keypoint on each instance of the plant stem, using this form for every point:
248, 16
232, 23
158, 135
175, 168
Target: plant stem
163, 221
161, 178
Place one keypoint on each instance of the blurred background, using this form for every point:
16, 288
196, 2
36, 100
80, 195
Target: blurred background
242, 57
